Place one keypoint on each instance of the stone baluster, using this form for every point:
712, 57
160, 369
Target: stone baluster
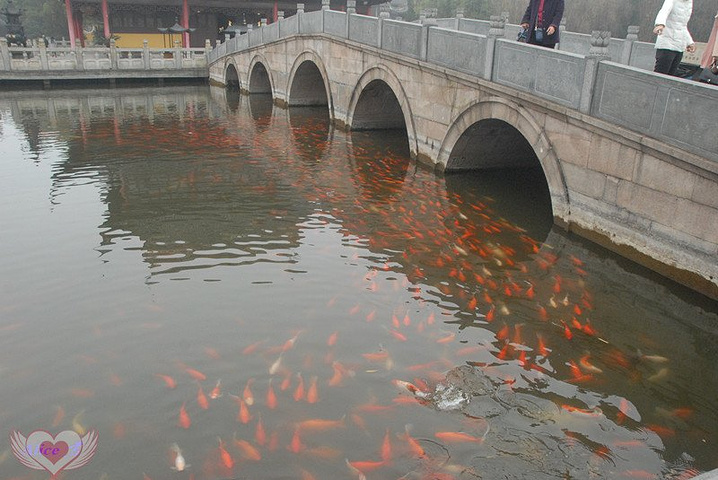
5, 54
226, 37
597, 53
113, 55
351, 6
505, 16
300, 12
146, 60
325, 4
383, 15
79, 57
280, 15
427, 22
631, 38
497, 29
459, 17
178, 55
217, 43
263, 22
43, 54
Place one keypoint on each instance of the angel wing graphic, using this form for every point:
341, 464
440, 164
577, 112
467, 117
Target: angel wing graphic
89, 446
18, 443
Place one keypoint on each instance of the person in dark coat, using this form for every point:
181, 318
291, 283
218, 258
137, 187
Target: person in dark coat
546, 16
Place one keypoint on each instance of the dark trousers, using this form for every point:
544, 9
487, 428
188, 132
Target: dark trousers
667, 61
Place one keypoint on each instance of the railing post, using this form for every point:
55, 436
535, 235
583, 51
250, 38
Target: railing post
178, 55
207, 49
459, 16
113, 55
79, 57
351, 10
300, 12
383, 15
325, 4
426, 23
146, 60
5, 52
280, 17
597, 53
497, 30
43, 54
631, 38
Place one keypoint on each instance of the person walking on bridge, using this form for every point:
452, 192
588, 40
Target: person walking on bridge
542, 19
671, 26
710, 56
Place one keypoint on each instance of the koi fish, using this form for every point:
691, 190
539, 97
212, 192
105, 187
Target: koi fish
457, 437
227, 459
364, 467
274, 368
299, 391
260, 435
77, 426
59, 415
184, 420
271, 398
216, 391
180, 464
202, 399
312, 393
169, 381
355, 471
196, 374
248, 450
295, 446
414, 446
320, 425
247, 393
386, 447
249, 349
332, 340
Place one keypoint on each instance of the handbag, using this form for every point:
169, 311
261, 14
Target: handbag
710, 74
538, 35
523, 35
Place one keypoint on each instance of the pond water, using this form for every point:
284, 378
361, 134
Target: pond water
190, 270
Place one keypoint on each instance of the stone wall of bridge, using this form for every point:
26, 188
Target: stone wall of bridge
620, 167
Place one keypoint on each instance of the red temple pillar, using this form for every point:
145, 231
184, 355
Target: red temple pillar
275, 12
185, 23
79, 32
105, 18
70, 22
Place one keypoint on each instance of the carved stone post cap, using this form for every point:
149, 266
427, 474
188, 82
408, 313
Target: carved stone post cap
263, 21
250, 27
459, 13
207, 43
112, 43
145, 43
325, 4
497, 26
300, 8
384, 15
3, 40
634, 29
351, 6
599, 43
280, 14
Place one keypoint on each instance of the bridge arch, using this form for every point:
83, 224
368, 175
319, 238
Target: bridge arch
260, 76
499, 115
382, 74
306, 79
231, 75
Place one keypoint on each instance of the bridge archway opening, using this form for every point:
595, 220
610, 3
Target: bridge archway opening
259, 80
495, 157
231, 78
307, 88
378, 109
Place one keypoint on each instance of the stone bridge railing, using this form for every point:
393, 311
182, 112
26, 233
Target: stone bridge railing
656, 107
39, 58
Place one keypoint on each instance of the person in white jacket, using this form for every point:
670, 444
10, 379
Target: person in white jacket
671, 26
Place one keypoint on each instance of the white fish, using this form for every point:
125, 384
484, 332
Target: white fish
276, 366
180, 463
660, 375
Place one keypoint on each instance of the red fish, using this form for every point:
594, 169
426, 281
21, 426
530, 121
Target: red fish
196, 374
248, 350
248, 450
332, 340
295, 446
386, 447
365, 467
184, 420
247, 394
216, 391
457, 437
227, 460
299, 391
202, 399
243, 415
312, 393
260, 435
271, 396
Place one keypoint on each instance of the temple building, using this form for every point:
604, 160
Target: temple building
131, 22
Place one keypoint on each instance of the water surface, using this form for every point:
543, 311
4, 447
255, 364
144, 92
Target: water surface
155, 242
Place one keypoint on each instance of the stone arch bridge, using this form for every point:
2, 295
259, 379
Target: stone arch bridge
630, 157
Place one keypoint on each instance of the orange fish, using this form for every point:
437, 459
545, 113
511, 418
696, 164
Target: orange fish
211, 353
243, 415
227, 460
248, 450
566, 331
286, 382
414, 446
503, 334
271, 397
472, 303
289, 344
457, 437
247, 395
196, 374
184, 420
365, 467
490, 314
312, 393
295, 446
447, 338
216, 391
379, 356
542, 350
332, 340
386, 447
202, 399
299, 391
248, 350
398, 335
260, 435
320, 425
